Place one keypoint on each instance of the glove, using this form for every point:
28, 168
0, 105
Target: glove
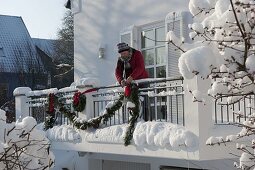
129, 80
123, 83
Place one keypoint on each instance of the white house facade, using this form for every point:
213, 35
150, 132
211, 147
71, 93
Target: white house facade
100, 25
174, 132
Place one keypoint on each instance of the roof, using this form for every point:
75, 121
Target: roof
46, 45
17, 51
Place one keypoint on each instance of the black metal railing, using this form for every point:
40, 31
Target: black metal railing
160, 100
236, 112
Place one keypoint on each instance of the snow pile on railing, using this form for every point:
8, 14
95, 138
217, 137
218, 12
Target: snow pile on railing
163, 134
64, 133
157, 134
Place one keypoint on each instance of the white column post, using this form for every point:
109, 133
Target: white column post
21, 102
198, 115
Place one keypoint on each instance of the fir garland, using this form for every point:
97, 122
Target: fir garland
50, 118
79, 101
95, 122
134, 114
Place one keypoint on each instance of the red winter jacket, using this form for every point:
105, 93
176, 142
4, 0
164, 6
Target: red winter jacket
137, 70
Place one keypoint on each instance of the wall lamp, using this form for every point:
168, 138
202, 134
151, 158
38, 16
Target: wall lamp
101, 50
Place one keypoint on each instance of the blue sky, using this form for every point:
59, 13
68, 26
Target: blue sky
42, 17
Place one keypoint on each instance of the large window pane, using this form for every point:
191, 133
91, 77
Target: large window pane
148, 42
151, 72
160, 55
161, 72
148, 57
160, 35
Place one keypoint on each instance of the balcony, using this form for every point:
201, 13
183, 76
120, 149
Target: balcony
167, 111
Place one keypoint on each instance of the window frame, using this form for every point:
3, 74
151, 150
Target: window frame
153, 26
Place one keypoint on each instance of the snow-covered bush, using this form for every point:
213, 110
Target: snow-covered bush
23, 146
224, 52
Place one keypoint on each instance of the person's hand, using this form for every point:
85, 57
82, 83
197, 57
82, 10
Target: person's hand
123, 83
129, 80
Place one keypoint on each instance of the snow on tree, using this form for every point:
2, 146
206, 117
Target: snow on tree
224, 52
23, 146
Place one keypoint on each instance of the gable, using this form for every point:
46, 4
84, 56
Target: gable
16, 46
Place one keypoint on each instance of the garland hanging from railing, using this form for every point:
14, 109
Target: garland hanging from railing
130, 93
50, 118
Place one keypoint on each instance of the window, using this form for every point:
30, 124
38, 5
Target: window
129, 36
153, 49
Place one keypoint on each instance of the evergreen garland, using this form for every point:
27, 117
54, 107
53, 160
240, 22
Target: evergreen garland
134, 115
95, 122
50, 118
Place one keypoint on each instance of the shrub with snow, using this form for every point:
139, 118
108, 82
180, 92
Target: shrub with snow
23, 146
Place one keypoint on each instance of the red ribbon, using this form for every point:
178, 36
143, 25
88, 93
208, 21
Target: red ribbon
51, 102
76, 98
127, 91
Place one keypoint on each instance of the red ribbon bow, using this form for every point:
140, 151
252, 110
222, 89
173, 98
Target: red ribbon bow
76, 98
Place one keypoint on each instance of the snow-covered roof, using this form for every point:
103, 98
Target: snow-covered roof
46, 45
17, 52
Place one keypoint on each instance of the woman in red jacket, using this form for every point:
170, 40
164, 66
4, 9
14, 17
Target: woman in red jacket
130, 65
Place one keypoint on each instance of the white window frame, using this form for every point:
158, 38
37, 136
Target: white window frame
152, 26
132, 30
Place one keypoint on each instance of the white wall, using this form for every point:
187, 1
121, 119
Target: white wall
101, 21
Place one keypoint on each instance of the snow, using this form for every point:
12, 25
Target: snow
213, 140
246, 160
27, 136
162, 134
88, 81
157, 134
42, 92
250, 64
21, 91
63, 133
197, 61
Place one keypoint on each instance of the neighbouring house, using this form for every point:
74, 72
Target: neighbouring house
20, 64
173, 131
26, 61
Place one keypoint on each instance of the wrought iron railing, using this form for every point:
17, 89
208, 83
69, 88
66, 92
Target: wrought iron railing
160, 100
38, 104
226, 111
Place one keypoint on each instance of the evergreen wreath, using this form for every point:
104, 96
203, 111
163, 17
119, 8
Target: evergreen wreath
79, 101
110, 112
